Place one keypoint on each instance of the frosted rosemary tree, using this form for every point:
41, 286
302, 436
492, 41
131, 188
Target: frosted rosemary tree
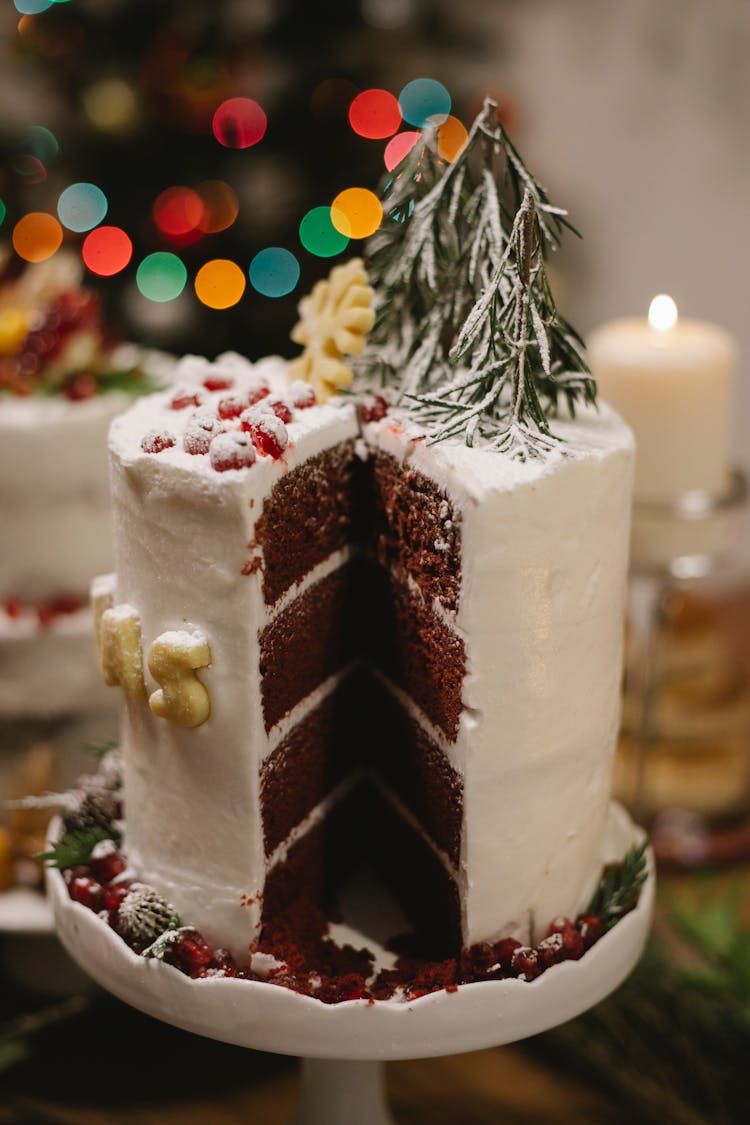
480, 349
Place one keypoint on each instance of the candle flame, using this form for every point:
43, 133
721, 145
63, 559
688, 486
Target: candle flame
662, 313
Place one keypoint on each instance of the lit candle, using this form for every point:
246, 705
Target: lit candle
671, 379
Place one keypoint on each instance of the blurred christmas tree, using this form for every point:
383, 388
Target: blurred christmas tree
123, 95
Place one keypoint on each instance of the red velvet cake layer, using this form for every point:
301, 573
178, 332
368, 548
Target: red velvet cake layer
416, 649
310, 513
416, 529
314, 637
311, 761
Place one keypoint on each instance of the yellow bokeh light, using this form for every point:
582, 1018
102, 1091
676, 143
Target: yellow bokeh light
356, 212
219, 284
451, 138
37, 236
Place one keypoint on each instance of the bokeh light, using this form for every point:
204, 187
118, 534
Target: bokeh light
239, 123
356, 212
220, 206
41, 143
375, 114
106, 251
179, 213
319, 236
32, 7
37, 236
3, 211
111, 105
82, 207
161, 276
399, 147
219, 283
274, 272
451, 138
424, 99
30, 167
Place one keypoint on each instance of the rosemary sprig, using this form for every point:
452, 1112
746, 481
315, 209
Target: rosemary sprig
620, 887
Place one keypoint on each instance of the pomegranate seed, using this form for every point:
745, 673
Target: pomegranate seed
266, 430
86, 891
80, 387
302, 395
525, 963
156, 441
373, 410
217, 383
200, 430
13, 608
183, 399
550, 950
66, 603
106, 867
280, 409
231, 451
45, 615
77, 872
190, 953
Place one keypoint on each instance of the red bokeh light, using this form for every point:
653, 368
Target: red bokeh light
375, 114
106, 251
399, 147
239, 123
179, 212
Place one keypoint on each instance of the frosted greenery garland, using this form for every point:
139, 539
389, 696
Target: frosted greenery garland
467, 330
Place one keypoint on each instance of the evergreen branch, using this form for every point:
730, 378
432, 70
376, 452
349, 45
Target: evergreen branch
620, 886
75, 847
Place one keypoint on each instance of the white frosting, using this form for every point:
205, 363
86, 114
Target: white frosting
544, 553
543, 576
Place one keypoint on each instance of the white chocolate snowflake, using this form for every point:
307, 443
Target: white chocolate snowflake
334, 319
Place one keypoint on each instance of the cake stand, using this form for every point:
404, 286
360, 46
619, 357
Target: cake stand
343, 1045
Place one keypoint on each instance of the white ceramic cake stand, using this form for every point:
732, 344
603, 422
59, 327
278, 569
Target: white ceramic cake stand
343, 1044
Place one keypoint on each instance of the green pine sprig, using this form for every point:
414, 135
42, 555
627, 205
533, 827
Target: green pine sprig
75, 847
99, 750
620, 887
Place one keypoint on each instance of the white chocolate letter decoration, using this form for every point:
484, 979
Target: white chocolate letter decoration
172, 660
120, 651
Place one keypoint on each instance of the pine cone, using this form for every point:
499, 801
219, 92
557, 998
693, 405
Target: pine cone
143, 915
97, 809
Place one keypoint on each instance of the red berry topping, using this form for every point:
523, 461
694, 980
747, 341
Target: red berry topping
231, 406
76, 872
200, 431
257, 391
551, 950
231, 451
80, 387
280, 409
106, 862
302, 395
374, 409
217, 383
189, 952
526, 963
222, 964
115, 893
591, 928
267, 431
13, 608
156, 441
87, 891
182, 399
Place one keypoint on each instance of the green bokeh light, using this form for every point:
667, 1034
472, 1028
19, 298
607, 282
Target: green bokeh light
3, 211
318, 234
161, 276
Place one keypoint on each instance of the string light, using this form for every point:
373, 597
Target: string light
219, 284
274, 272
318, 234
424, 99
356, 212
398, 148
82, 207
161, 276
375, 114
239, 123
37, 236
106, 251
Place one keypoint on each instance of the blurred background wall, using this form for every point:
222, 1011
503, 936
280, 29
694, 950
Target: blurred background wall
634, 114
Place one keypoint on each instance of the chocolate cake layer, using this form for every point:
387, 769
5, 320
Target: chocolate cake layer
416, 649
410, 764
313, 758
314, 637
314, 510
416, 529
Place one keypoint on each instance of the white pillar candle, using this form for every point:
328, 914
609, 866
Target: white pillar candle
671, 379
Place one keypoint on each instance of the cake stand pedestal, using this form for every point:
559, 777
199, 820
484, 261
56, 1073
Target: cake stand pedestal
343, 1045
